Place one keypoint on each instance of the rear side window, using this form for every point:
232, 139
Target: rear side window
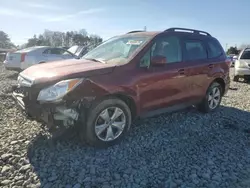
195, 50
54, 51
214, 49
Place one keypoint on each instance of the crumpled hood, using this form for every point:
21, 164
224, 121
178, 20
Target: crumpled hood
72, 68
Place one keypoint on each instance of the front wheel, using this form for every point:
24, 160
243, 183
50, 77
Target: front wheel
212, 99
107, 122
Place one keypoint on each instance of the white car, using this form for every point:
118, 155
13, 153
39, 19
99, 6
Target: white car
242, 65
22, 59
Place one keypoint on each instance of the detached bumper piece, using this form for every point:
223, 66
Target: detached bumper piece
54, 115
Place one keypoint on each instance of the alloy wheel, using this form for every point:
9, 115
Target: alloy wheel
214, 98
110, 124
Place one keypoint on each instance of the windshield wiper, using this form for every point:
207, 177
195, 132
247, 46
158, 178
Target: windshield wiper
96, 60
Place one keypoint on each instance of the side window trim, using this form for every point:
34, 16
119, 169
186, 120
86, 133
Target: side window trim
185, 56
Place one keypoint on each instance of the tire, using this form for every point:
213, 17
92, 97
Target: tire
236, 78
247, 78
88, 131
205, 106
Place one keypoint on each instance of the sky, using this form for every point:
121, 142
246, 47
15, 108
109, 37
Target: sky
228, 21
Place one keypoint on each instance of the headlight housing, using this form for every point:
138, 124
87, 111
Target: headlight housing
59, 90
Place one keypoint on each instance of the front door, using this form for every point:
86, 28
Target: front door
165, 86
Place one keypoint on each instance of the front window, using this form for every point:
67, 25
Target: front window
117, 50
245, 54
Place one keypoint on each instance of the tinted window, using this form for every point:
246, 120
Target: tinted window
169, 47
214, 50
57, 51
195, 50
54, 51
245, 54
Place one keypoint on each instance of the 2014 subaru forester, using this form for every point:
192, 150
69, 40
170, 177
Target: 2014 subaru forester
138, 74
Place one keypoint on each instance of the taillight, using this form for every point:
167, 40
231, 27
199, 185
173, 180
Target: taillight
23, 57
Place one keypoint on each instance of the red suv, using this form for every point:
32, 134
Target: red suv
138, 74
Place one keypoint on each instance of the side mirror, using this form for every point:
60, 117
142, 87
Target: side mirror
158, 60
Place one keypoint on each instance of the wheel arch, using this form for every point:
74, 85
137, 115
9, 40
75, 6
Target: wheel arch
221, 82
128, 100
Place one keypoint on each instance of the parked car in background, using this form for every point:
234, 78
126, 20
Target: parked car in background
234, 57
77, 50
138, 74
242, 66
22, 59
3, 53
80, 50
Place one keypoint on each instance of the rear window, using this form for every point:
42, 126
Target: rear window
214, 49
245, 54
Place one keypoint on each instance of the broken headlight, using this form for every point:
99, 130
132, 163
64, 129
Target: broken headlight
58, 91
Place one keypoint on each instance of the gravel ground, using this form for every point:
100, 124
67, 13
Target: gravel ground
184, 149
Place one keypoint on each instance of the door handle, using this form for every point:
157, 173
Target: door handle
210, 66
181, 71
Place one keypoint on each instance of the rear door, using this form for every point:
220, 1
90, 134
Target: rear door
197, 66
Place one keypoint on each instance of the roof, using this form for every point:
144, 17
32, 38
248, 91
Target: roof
185, 31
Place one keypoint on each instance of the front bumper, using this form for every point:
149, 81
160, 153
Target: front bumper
34, 111
54, 115
242, 71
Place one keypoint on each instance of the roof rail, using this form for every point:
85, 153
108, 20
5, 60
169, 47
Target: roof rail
186, 29
135, 31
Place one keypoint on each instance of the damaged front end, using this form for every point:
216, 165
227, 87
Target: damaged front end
47, 105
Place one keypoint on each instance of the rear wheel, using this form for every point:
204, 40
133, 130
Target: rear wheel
107, 123
212, 99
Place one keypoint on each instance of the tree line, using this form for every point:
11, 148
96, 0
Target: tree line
55, 39
235, 50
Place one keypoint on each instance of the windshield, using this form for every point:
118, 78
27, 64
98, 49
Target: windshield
117, 49
245, 54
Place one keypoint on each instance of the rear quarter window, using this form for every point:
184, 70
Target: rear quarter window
214, 49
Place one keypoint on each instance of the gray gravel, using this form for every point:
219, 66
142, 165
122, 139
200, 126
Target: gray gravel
184, 149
